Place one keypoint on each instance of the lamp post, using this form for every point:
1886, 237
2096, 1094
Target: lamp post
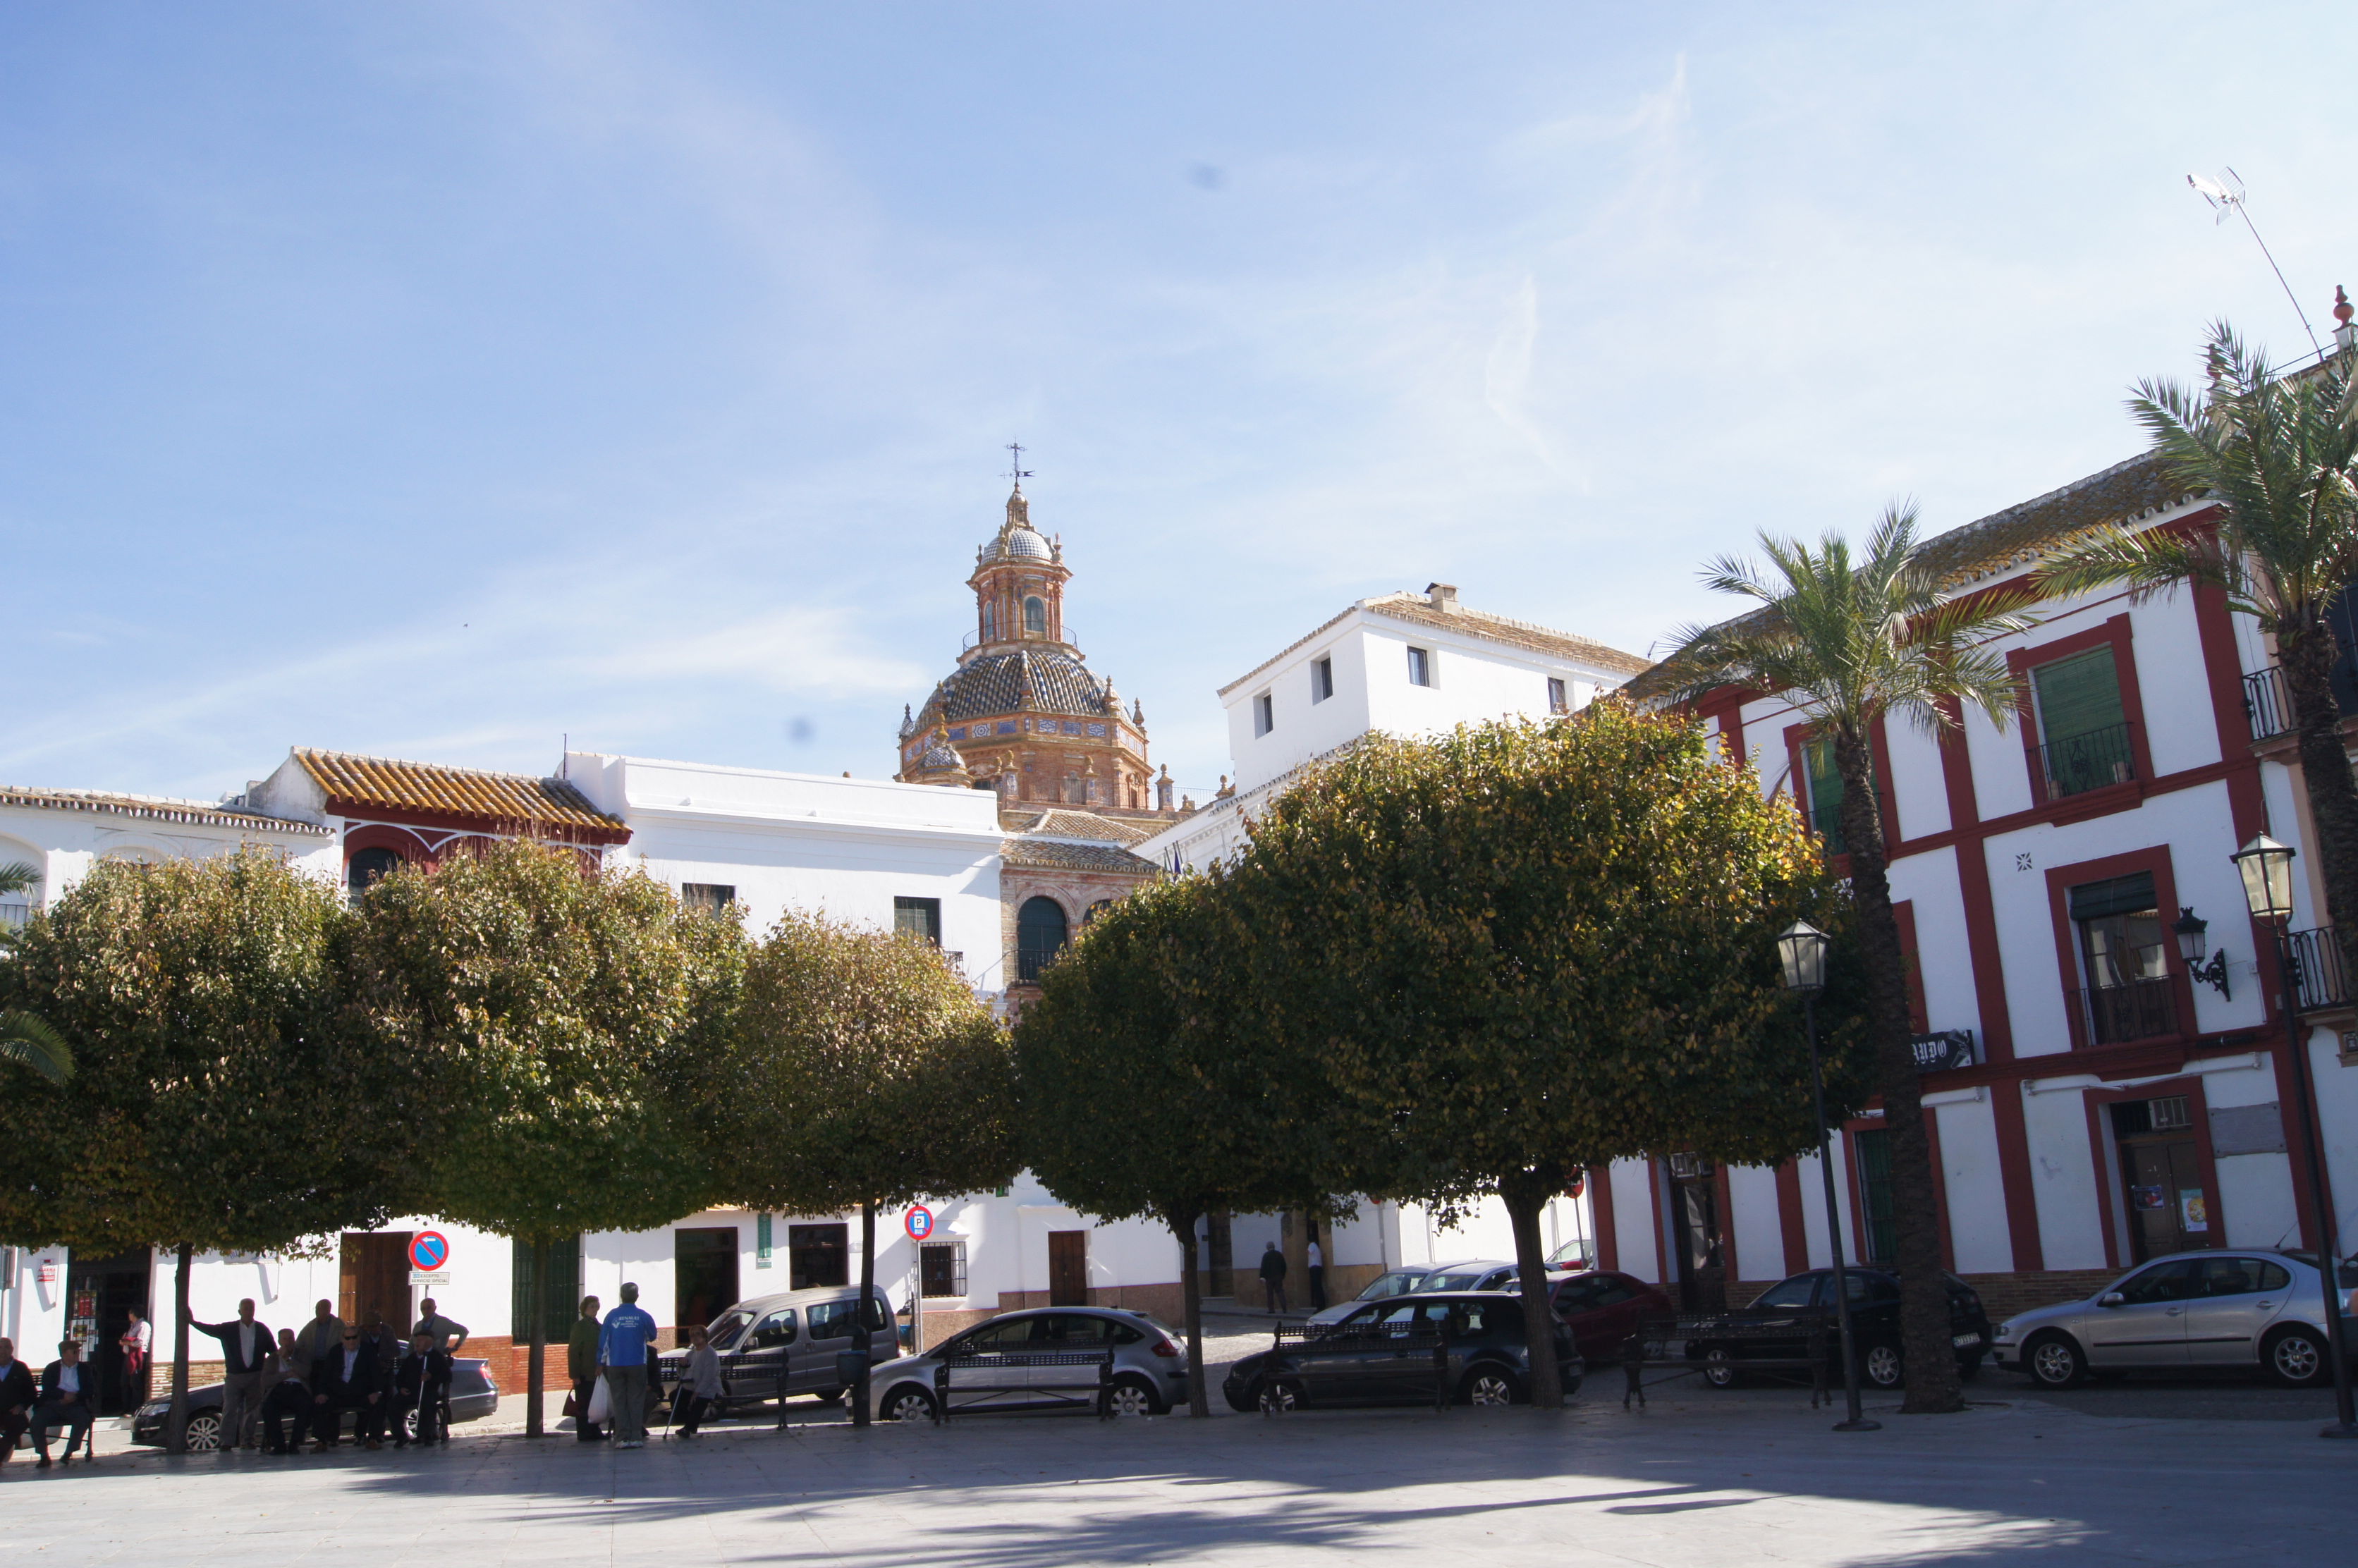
2265, 866
1802, 950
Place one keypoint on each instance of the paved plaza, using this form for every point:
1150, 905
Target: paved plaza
1750, 1477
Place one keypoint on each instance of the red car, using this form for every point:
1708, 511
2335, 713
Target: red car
1603, 1308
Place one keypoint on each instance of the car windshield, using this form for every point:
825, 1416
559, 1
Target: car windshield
1793, 1292
728, 1326
1464, 1282
1399, 1282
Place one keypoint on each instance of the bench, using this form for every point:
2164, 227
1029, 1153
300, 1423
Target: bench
1072, 1389
1409, 1353
1806, 1341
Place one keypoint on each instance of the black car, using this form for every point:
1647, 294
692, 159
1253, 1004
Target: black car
1466, 1346
473, 1396
1807, 1302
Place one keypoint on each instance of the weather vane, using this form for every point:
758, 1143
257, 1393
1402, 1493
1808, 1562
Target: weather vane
1015, 468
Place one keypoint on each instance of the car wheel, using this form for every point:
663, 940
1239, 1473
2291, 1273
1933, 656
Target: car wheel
204, 1432
409, 1424
1881, 1367
2054, 1362
1131, 1395
1491, 1385
908, 1404
1278, 1398
2294, 1358
1718, 1370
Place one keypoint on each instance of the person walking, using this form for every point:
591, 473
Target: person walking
138, 1339
623, 1341
700, 1384
1316, 1264
68, 1388
345, 1378
286, 1407
18, 1395
582, 1366
1272, 1278
245, 1351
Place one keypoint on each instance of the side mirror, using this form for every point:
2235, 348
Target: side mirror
2112, 1299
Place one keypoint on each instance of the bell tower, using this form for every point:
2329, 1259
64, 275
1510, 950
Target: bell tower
1019, 587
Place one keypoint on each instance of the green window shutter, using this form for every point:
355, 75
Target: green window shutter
563, 1302
2078, 696
1825, 782
1878, 1227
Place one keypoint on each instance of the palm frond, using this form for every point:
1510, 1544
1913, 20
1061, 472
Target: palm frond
16, 876
29, 1039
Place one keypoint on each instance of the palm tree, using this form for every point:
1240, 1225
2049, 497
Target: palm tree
1847, 642
2281, 451
23, 1037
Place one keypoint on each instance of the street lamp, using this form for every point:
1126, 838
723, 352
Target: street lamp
2265, 866
2189, 928
1803, 951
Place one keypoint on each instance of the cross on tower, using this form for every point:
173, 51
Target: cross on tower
1015, 468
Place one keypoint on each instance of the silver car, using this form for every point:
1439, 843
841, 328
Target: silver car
1478, 1274
2254, 1307
1395, 1282
787, 1343
1150, 1365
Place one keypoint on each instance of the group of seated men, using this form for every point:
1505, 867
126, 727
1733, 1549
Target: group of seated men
65, 1397
274, 1390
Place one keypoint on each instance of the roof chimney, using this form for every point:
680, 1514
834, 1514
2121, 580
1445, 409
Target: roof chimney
1443, 597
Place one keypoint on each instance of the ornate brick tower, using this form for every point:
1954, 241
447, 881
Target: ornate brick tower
1022, 714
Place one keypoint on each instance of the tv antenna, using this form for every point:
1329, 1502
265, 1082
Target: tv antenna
1015, 468
2227, 198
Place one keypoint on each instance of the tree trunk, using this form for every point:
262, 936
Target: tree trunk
1933, 1387
1525, 1199
1191, 1300
2307, 659
859, 1332
536, 1363
175, 1424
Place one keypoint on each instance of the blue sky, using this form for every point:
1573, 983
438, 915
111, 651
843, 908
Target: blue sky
437, 380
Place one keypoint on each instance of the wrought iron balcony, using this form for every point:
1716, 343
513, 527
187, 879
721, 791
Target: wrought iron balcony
2078, 763
2141, 1009
2266, 703
2319, 978
1827, 821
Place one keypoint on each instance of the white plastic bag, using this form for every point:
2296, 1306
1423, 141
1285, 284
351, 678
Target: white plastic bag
601, 1404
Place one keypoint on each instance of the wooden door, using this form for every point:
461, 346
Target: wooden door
1068, 1267
373, 1283
2168, 1208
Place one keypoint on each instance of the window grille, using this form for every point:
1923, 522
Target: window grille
941, 1269
706, 898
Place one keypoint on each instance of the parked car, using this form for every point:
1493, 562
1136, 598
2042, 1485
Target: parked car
1365, 1358
794, 1333
1394, 1282
473, 1396
1477, 1274
2257, 1307
1150, 1364
1807, 1300
1602, 1307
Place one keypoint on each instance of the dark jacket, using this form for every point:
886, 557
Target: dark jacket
417, 1370
327, 1376
17, 1389
1272, 1265
52, 1375
265, 1344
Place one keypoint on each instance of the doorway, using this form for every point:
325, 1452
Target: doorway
1694, 1216
1068, 1267
704, 1275
2161, 1178
372, 1279
101, 1295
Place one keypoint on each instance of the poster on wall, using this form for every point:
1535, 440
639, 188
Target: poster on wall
2193, 1210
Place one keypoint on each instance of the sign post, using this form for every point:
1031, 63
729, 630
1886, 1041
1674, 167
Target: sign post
919, 1223
429, 1250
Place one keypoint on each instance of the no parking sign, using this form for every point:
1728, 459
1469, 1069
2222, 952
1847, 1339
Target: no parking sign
429, 1252
918, 1222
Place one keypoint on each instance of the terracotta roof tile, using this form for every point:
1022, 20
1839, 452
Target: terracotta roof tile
1417, 608
1039, 680
160, 808
1054, 823
356, 785
1053, 854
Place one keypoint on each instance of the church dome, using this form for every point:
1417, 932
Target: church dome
1023, 545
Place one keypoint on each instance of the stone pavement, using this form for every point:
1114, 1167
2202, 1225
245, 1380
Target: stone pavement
1750, 1477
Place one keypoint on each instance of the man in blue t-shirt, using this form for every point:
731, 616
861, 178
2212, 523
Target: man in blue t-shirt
623, 1341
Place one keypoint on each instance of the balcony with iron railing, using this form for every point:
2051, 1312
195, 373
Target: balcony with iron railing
2078, 764
2136, 1010
2319, 977
2268, 703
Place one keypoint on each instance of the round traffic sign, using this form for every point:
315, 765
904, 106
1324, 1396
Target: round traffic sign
919, 1222
429, 1250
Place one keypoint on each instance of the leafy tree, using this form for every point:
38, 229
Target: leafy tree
569, 1010
1537, 947
864, 1073
23, 1037
2281, 451
224, 1103
1849, 641
1152, 1085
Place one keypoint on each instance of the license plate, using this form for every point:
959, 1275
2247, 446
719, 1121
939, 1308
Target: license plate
1961, 1340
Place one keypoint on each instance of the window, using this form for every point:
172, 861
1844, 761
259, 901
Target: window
561, 1306
1095, 910
941, 1269
817, 1255
776, 1329
2083, 730
367, 866
1793, 1292
1878, 1240
919, 917
1559, 696
1420, 667
2165, 1282
1823, 780
1039, 937
1322, 680
2123, 960
1264, 714
990, 622
1035, 616
836, 1320
706, 898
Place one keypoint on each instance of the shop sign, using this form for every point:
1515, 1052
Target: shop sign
1944, 1050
